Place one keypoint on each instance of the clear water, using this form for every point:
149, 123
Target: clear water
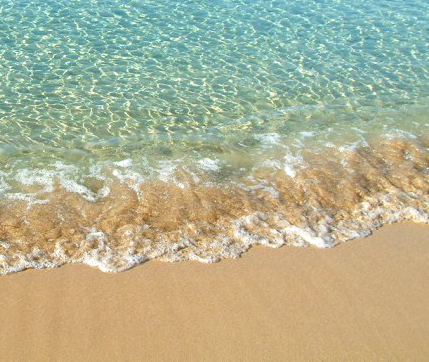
94, 93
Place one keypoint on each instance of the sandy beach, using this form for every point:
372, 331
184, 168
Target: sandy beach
198, 181
365, 300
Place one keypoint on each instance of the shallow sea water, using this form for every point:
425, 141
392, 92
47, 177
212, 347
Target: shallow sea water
134, 130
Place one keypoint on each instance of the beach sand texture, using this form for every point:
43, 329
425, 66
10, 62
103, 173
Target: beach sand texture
365, 300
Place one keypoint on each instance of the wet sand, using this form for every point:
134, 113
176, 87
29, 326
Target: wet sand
365, 300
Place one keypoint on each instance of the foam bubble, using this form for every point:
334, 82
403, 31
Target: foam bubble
291, 162
307, 134
209, 164
268, 139
124, 163
37, 177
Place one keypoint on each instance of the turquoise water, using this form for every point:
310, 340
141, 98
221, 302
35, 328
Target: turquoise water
131, 91
91, 75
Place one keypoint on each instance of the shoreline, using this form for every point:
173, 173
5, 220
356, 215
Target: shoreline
361, 300
322, 200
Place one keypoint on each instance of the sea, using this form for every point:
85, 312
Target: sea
133, 130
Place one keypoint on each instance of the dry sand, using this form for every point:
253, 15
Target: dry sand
365, 300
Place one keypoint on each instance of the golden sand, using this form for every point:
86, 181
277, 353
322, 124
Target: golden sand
365, 300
